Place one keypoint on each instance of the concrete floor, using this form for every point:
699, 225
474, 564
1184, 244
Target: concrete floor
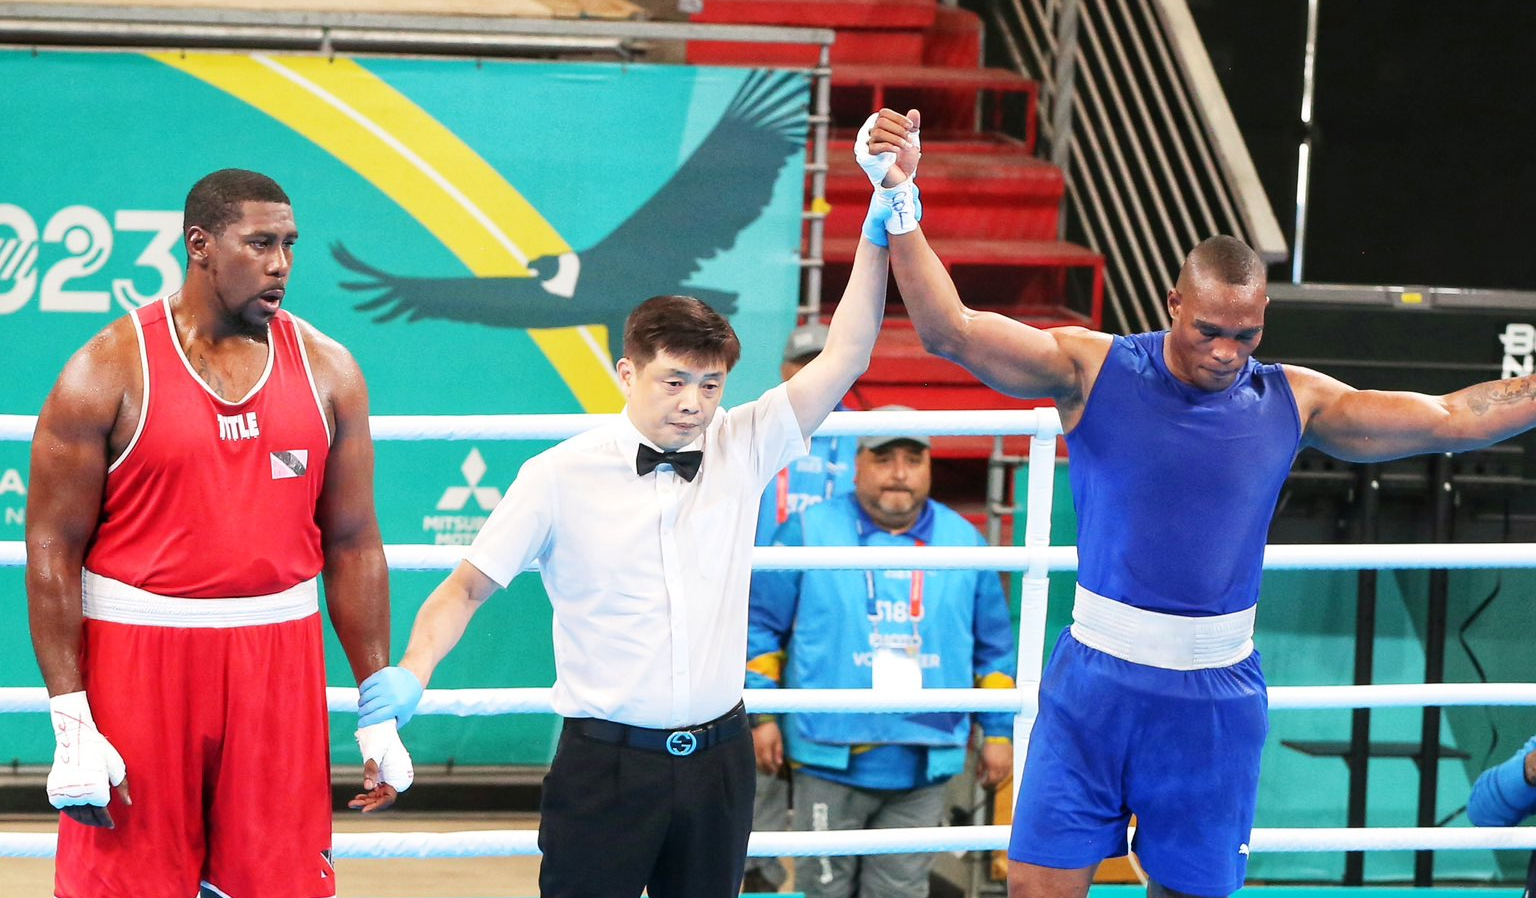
512, 877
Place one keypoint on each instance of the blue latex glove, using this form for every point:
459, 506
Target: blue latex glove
880, 210
391, 693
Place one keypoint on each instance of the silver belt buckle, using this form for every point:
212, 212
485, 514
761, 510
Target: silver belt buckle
682, 743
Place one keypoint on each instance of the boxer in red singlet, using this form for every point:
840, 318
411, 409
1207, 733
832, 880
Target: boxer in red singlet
197, 467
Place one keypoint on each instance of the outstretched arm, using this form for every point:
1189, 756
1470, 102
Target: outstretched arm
1378, 425
1506, 794
817, 388
444, 617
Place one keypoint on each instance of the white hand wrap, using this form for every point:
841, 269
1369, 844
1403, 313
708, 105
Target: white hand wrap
904, 206
877, 166
381, 743
85, 765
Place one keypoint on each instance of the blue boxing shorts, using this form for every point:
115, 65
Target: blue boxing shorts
1177, 748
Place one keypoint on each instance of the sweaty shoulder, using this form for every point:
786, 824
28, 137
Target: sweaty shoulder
333, 365
1313, 390
104, 379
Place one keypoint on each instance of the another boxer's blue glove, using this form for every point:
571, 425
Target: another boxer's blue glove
390, 694
892, 210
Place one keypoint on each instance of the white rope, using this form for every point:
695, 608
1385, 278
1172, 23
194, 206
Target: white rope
1038, 558
984, 422
931, 839
14, 428
480, 702
1349, 557
1403, 695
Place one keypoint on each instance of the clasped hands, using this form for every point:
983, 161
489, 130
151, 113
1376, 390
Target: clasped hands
888, 148
386, 701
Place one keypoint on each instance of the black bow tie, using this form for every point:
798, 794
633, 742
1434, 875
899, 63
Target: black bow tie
686, 464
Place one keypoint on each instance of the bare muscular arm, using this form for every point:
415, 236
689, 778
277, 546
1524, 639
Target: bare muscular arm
1377, 425
356, 574
71, 449
1009, 356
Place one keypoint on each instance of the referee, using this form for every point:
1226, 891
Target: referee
643, 531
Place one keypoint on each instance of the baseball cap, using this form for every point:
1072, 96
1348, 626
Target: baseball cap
880, 441
807, 339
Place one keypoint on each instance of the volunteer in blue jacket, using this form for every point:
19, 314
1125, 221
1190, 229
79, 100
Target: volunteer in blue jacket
894, 629
822, 473
1505, 795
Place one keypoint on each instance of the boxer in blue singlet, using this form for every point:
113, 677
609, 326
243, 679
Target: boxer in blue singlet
1153, 703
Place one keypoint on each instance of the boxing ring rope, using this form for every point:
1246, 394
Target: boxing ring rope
1036, 558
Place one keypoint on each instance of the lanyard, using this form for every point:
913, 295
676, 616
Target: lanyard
828, 484
914, 593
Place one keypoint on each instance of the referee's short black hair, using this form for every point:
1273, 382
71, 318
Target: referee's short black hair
213, 203
682, 326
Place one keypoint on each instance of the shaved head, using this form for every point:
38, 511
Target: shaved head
1216, 313
1224, 260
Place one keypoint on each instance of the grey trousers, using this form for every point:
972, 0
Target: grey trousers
824, 805
770, 814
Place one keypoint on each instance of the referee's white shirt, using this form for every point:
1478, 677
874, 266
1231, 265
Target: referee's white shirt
648, 575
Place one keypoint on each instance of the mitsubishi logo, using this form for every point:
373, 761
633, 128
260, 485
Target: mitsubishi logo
456, 497
682, 743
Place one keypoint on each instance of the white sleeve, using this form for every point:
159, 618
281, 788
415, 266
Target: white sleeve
775, 433
518, 530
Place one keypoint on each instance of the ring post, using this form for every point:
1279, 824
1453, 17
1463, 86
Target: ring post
1035, 589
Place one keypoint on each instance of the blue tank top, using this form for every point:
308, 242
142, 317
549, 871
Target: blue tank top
1175, 486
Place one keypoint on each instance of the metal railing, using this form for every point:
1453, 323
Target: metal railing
1133, 114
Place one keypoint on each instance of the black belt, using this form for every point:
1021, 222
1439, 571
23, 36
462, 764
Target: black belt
679, 742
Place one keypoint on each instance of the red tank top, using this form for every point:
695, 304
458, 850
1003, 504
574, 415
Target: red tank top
216, 499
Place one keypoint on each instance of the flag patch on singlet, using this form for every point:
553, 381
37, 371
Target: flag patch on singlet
292, 463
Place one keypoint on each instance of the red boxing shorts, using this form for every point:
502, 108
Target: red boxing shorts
220, 716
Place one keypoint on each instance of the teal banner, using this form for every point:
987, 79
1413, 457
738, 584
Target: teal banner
474, 232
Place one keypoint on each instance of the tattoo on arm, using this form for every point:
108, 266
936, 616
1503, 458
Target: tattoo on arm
1482, 398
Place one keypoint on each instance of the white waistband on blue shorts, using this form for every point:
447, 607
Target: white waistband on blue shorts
1170, 641
116, 602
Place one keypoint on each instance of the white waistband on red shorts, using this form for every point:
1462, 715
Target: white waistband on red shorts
1170, 641
116, 602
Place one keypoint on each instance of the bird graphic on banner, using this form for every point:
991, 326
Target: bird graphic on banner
655, 251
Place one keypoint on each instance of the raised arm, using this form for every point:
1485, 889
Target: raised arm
817, 388
1378, 425
1008, 355
356, 574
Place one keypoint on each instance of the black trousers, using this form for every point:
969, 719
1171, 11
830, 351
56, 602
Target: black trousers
616, 820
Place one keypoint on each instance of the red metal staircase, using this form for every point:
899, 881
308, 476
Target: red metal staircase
992, 207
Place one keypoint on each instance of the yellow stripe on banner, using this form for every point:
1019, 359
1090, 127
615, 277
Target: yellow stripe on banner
427, 169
